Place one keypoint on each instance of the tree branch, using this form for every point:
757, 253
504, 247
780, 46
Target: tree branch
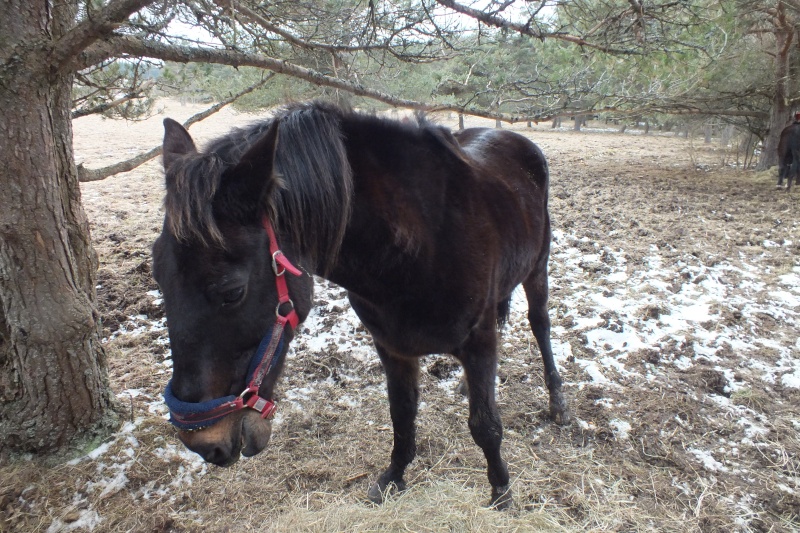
525, 29
97, 174
306, 44
183, 54
93, 27
102, 108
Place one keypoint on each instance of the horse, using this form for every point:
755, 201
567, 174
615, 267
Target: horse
428, 231
789, 155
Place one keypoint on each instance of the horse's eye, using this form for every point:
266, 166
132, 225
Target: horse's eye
232, 296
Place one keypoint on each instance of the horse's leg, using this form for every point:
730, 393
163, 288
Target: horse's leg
402, 378
478, 356
536, 290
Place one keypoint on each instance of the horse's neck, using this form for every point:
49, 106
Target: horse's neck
396, 205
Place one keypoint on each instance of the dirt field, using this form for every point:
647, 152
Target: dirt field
675, 296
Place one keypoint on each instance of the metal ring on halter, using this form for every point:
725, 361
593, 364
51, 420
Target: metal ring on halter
275, 264
278, 308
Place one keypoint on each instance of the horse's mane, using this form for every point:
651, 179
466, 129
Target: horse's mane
312, 203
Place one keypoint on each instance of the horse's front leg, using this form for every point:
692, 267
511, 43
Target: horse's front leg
402, 383
479, 359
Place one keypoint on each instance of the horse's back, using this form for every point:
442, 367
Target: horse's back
508, 152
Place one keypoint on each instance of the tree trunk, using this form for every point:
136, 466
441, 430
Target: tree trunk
727, 135
53, 376
780, 113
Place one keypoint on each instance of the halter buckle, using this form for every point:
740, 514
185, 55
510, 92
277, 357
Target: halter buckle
277, 268
264, 407
250, 398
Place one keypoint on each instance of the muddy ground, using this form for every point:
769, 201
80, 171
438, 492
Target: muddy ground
675, 294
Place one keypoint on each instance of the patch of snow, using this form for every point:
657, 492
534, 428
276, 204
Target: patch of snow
707, 460
97, 452
131, 393
791, 379
620, 428
87, 520
617, 277
751, 429
592, 369
786, 298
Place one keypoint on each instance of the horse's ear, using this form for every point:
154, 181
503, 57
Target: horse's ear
177, 142
251, 181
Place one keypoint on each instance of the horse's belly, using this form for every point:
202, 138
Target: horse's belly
413, 331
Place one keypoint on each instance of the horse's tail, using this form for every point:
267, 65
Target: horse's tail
503, 310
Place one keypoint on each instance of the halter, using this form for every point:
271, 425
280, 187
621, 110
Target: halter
189, 416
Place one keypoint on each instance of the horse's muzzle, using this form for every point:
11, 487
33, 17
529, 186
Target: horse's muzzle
221, 444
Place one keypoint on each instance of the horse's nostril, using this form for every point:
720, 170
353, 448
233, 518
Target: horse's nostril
216, 454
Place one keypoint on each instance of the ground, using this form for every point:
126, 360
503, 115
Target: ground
675, 294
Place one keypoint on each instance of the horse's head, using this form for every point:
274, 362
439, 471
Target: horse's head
214, 266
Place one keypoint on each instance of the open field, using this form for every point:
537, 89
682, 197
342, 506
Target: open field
675, 299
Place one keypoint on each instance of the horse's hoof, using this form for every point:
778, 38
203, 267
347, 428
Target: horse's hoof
379, 490
501, 498
559, 411
562, 418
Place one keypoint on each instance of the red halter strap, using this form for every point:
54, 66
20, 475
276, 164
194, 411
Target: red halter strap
280, 264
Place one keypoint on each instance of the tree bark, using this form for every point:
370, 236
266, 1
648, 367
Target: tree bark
53, 375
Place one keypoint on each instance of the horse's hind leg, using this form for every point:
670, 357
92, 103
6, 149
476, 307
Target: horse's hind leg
402, 383
536, 290
478, 356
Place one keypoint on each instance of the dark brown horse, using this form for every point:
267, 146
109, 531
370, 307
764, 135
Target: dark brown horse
428, 231
789, 155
